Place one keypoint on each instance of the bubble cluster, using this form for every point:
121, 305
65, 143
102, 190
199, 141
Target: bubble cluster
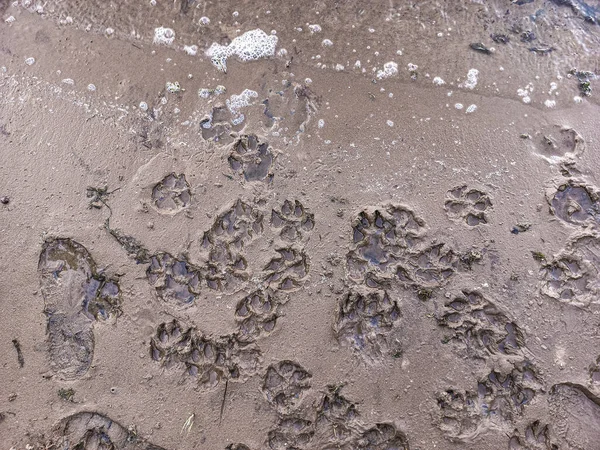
164, 36
389, 69
250, 46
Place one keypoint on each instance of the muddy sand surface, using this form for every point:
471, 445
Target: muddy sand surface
279, 225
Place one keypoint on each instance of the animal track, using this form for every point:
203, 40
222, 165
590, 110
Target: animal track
535, 437
575, 202
499, 399
559, 142
225, 241
293, 221
76, 295
256, 314
291, 433
252, 159
175, 280
572, 276
480, 327
379, 238
337, 419
172, 194
386, 247
208, 360
284, 385
383, 436
365, 321
90, 430
468, 205
218, 127
288, 271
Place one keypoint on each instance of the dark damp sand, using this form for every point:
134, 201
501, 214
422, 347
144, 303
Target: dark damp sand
58, 139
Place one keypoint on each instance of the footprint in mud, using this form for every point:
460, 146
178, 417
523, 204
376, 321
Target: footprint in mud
470, 206
575, 202
337, 419
480, 327
175, 280
94, 431
535, 437
365, 321
288, 271
226, 268
289, 109
256, 315
572, 276
556, 143
75, 295
383, 436
291, 433
252, 158
217, 127
576, 416
499, 399
284, 385
172, 194
209, 361
388, 245
293, 220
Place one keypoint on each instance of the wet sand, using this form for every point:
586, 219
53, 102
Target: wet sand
372, 259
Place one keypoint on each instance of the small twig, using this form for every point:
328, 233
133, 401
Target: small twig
19, 353
223, 402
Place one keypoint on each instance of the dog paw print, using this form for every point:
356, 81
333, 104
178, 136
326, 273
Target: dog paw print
480, 327
383, 436
536, 436
256, 315
291, 433
226, 268
288, 271
571, 276
498, 397
172, 194
470, 206
175, 280
380, 239
365, 322
252, 159
217, 127
292, 220
284, 385
575, 202
210, 361
91, 430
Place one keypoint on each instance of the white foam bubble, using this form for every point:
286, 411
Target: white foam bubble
30, 61
237, 102
164, 36
550, 103
458, 106
471, 109
191, 50
326, 43
390, 69
250, 46
390, 123
143, 106
471, 80
438, 81
321, 123
91, 87
314, 28
204, 20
